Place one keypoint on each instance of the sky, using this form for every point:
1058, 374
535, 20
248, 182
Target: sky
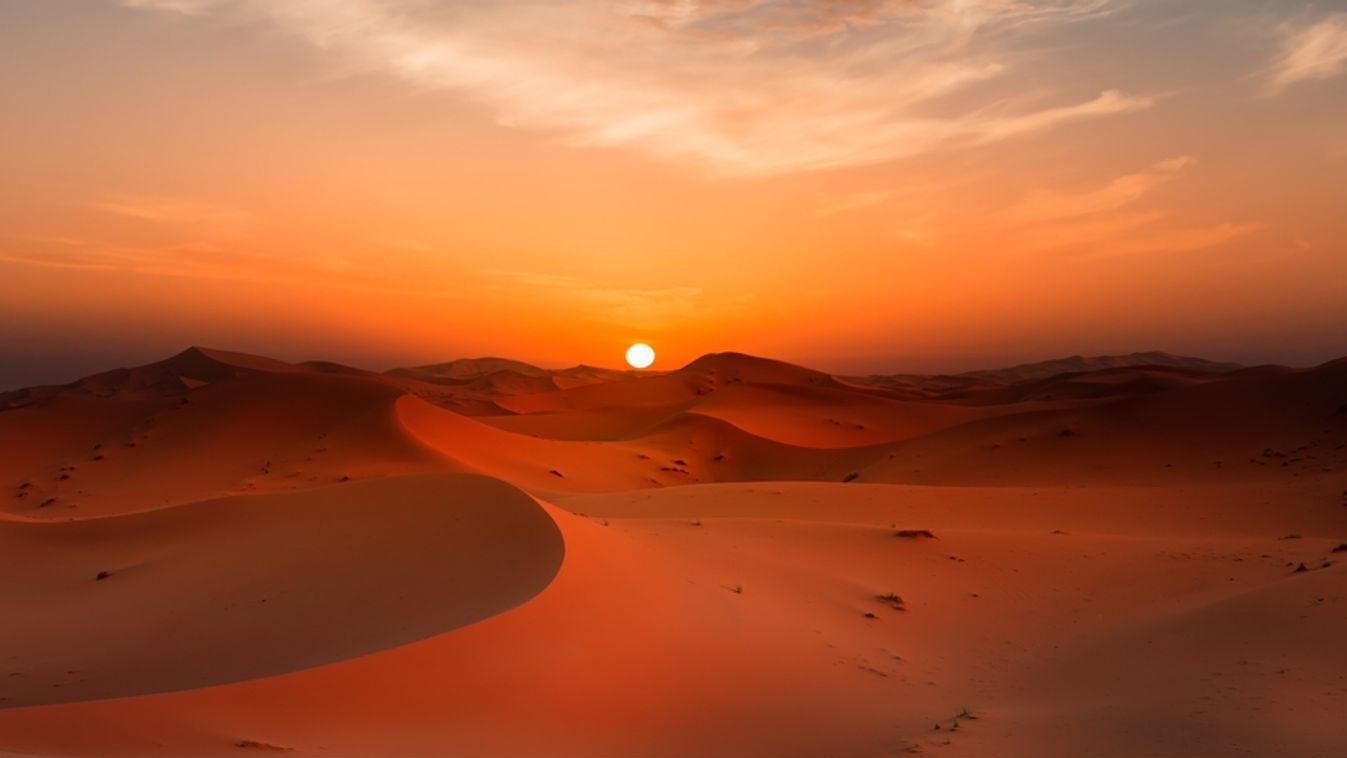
856, 185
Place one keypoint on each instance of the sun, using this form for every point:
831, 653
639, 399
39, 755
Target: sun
640, 355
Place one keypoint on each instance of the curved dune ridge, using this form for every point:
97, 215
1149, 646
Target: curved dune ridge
246, 587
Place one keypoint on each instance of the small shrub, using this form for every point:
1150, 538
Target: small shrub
853, 476
912, 534
102, 575
258, 745
892, 599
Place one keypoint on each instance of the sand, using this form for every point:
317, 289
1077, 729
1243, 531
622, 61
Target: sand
487, 558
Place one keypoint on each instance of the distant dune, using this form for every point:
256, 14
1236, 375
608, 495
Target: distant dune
1112, 556
1077, 364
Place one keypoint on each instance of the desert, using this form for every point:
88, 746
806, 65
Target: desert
220, 553
673, 378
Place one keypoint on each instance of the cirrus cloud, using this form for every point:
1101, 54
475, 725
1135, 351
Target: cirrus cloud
1314, 51
740, 87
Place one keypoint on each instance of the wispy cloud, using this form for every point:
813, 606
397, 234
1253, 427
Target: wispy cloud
1314, 51
1106, 221
743, 87
197, 258
173, 212
1049, 205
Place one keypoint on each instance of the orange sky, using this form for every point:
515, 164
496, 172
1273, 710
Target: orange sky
856, 185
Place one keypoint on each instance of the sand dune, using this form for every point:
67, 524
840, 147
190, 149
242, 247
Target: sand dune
243, 587
329, 561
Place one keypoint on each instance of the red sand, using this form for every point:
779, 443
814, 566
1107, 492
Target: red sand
320, 559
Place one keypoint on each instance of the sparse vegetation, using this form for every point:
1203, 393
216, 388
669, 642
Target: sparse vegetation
737, 589
892, 600
257, 745
102, 575
912, 534
556, 473
851, 477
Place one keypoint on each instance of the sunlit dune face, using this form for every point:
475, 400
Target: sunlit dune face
640, 355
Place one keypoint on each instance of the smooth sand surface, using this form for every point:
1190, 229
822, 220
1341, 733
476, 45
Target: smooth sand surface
741, 557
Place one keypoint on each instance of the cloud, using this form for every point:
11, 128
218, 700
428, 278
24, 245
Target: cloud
741, 87
1108, 219
171, 212
1173, 240
1104, 221
187, 7
1317, 51
1046, 205
197, 259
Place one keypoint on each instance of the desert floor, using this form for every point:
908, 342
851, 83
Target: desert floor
221, 553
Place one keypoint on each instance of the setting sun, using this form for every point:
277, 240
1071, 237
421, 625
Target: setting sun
640, 355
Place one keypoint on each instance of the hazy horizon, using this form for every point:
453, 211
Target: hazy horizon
64, 368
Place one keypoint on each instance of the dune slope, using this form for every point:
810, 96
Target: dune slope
245, 587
